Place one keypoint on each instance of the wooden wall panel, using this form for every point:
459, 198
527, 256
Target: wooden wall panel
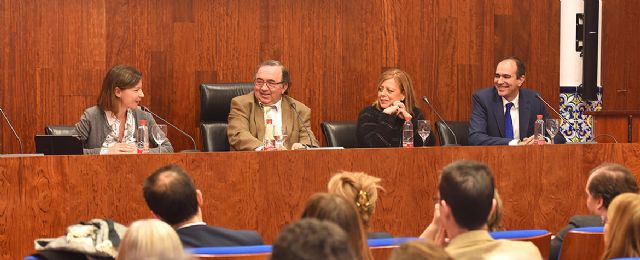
55, 52
620, 74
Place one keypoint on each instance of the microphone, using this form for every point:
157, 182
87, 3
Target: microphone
293, 107
195, 148
455, 138
554, 111
12, 129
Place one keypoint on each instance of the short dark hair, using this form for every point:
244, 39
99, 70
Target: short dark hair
311, 239
520, 68
285, 72
120, 76
467, 187
171, 194
610, 180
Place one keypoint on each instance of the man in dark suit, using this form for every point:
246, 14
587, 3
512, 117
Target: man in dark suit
490, 123
605, 182
173, 198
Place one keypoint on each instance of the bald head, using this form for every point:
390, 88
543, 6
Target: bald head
171, 194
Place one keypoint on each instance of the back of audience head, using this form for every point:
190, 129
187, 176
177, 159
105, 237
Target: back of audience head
151, 239
359, 188
171, 195
605, 182
334, 208
420, 250
466, 189
311, 239
622, 231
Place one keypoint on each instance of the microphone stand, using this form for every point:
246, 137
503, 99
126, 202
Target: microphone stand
12, 130
195, 148
293, 107
455, 138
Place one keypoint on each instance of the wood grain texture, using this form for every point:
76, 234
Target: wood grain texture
264, 191
55, 53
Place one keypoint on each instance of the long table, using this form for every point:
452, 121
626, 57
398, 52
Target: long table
542, 186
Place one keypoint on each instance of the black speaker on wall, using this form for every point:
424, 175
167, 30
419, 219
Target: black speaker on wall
589, 88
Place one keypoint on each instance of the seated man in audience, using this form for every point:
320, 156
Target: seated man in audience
466, 200
605, 182
173, 198
269, 99
312, 239
504, 114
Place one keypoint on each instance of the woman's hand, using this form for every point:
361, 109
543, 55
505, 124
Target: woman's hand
398, 108
123, 148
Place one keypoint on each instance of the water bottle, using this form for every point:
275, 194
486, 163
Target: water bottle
142, 137
269, 140
538, 131
407, 133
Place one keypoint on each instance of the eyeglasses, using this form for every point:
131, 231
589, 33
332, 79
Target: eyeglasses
270, 83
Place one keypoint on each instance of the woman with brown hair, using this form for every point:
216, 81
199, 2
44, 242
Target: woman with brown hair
110, 126
362, 190
380, 124
331, 207
622, 228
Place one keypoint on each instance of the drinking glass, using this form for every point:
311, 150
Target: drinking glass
159, 133
424, 129
280, 135
552, 126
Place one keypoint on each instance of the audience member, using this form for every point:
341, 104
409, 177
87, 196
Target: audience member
331, 207
622, 231
466, 199
269, 99
380, 124
495, 217
362, 190
110, 126
312, 239
151, 239
504, 114
605, 182
419, 250
173, 198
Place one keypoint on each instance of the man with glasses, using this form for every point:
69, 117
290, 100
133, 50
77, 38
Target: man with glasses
269, 100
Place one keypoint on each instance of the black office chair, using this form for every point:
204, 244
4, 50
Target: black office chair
215, 102
59, 130
340, 134
460, 128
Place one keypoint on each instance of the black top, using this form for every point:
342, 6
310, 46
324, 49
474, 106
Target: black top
207, 236
575, 222
378, 129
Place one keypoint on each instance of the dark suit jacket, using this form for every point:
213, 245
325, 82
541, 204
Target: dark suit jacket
207, 236
575, 222
486, 126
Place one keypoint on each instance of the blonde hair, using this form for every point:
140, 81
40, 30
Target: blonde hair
405, 84
622, 236
359, 188
151, 239
418, 250
493, 223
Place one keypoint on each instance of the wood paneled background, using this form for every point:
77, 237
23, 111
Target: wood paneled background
54, 53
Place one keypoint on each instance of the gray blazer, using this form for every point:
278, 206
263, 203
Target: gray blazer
93, 130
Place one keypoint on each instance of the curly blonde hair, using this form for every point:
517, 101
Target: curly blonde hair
359, 188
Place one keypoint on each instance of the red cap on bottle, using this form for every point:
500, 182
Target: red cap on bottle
143, 122
269, 121
539, 116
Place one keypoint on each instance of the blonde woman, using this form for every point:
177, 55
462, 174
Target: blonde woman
151, 239
380, 124
622, 230
362, 190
